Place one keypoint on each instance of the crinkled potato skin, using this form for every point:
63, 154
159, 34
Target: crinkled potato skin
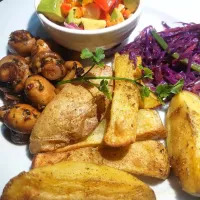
183, 141
76, 181
68, 118
147, 158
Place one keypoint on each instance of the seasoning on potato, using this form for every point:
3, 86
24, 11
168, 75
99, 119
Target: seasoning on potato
150, 127
122, 126
183, 140
76, 181
68, 118
147, 158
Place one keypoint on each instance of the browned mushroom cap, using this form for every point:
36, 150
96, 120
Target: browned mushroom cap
49, 64
21, 42
40, 46
14, 70
39, 91
21, 118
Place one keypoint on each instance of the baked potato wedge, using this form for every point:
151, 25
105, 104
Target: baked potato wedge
147, 158
94, 139
68, 118
183, 140
151, 101
150, 127
76, 180
122, 125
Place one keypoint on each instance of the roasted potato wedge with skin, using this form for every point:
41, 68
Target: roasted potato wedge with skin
67, 119
76, 180
147, 102
149, 127
94, 139
148, 158
101, 100
183, 141
151, 101
122, 126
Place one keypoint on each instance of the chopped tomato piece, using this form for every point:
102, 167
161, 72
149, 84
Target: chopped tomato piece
67, 1
65, 8
105, 5
92, 11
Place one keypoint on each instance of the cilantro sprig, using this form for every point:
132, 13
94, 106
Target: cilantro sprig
165, 91
162, 91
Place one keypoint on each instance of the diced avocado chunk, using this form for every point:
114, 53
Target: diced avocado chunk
71, 19
116, 15
51, 9
92, 24
131, 4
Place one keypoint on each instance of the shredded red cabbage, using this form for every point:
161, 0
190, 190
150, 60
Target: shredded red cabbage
184, 40
72, 26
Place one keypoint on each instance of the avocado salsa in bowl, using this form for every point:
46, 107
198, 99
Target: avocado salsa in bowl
87, 14
74, 37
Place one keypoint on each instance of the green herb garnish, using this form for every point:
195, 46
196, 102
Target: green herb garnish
167, 90
147, 73
144, 91
162, 91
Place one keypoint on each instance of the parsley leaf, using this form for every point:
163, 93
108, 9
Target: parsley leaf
99, 55
103, 87
166, 90
86, 53
178, 87
147, 73
144, 91
96, 57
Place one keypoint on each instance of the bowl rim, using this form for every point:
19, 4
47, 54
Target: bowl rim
116, 27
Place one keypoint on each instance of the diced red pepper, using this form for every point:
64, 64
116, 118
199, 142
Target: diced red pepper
65, 8
105, 5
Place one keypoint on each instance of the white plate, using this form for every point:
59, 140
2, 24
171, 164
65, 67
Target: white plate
19, 14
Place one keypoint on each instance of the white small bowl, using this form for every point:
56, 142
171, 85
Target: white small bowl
105, 38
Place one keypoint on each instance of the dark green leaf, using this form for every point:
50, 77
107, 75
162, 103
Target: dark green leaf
166, 90
144, 91
147, 73
99, 55
85, 54
101, 64
103, 87
177, 87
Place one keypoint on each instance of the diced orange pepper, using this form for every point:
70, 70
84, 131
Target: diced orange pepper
108, 17
85, 2
110, 23
126, 13
78, 13
65, 8
76, 4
